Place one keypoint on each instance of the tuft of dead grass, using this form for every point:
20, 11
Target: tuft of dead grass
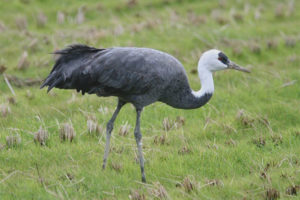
279, 11
80, 17
272, 194
184, 150
41, 20
5, 110
259, 142
23, 61
214, 182
187, 184
13, 140
219, 17
67, 132
166, 124
277, 139
137, 195
21, 23
60, 17
272, 44
116, 166
41, 136
94, 128
244, 118
231, 142
2, 27
161, 140
293, 190
2, 69
124, 129
179, 122
159, 191
254, 47
29, 95
290, 42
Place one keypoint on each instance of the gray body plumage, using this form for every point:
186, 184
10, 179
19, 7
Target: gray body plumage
140, 76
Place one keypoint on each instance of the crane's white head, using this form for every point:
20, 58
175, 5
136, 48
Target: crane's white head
215, 60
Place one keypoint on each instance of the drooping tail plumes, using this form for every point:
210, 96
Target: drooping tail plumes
69, 69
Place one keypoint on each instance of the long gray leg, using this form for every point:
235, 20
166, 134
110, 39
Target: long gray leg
109, 128
138, 139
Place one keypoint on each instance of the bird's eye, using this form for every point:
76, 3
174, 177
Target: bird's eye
223, 58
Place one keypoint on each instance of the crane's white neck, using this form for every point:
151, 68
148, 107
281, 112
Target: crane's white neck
207, 82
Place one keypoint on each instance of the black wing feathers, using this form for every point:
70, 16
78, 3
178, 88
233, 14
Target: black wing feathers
106, 72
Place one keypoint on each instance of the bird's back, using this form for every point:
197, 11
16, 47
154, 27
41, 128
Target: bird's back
127, 72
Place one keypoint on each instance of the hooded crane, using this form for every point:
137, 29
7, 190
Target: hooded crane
140, 76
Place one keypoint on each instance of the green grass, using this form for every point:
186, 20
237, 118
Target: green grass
246, 156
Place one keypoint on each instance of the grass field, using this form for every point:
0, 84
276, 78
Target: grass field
244, 144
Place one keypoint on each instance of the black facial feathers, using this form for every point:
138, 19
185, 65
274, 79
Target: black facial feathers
223, 58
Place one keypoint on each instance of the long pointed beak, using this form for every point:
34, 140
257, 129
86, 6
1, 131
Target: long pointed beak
232, 65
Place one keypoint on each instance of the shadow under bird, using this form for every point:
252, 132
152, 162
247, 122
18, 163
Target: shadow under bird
140, 76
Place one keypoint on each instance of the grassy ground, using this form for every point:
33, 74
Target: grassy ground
244, 144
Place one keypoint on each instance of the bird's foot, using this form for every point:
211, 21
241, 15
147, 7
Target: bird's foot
104, 165
143, 179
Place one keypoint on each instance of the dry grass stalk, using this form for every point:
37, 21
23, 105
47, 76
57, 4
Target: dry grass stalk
124, 129
272, 194
166, 124
116, 166
93, 127
159, 191
41, 136
5, 110
41, 19
13, 140
136, 195
60, 17
23, 62
67, 132
187, 184
21, 23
